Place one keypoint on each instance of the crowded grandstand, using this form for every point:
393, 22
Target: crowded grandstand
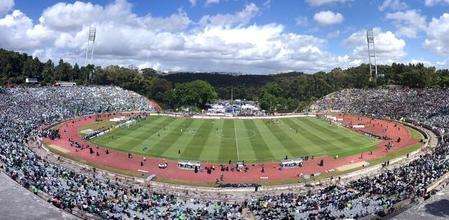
88, 193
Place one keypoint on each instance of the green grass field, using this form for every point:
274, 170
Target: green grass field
235, 139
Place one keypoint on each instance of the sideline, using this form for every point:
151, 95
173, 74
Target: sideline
232, 117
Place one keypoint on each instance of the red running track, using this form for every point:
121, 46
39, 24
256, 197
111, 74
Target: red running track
272, 172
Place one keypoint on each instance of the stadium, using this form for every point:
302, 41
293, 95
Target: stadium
389, 161
220, 152
210, 113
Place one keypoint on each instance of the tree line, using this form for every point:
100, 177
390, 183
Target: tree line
276, 92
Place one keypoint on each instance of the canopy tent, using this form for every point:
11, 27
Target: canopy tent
292, 162
189, 164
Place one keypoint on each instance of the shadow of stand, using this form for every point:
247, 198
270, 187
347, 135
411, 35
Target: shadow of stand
438, 208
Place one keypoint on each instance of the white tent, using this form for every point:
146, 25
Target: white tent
292, 163
190, 165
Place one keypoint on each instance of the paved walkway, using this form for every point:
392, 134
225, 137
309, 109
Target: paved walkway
18, 203
437, 207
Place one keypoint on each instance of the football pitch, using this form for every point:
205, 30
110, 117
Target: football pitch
249, 140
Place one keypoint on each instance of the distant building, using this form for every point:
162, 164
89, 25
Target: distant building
64, 84
236, 107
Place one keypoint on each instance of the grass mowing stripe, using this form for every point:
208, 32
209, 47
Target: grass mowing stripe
236, 141
319, 142
121, 133
138, 137
151, 137
348, 137
246, 152
223, 140
227, 145
128, 137
273, 143
285, 139
302, 147
212, 149
342, 137
149, 121
168, 140
175, 150
198, 143
345, 149
260, 148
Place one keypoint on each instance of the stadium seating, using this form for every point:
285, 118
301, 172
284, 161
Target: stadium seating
22, 111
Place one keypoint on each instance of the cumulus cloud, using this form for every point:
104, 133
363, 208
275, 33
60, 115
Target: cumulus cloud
6, 6
328, 18
222, 42
333, 34
437, 39
15, 31
302, 21
192, 2
325, 2
70, 17
208, 2
242, 17
394, 5
425, 62
389, 48
444, 64
409, 23
435, 2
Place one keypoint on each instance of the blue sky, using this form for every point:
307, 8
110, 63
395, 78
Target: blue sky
258, 36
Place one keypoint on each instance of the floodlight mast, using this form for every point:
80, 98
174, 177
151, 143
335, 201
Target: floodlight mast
90, 46
372, 58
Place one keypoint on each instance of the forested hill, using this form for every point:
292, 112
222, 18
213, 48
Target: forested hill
216, 79
276, 92
242, 86
226, 79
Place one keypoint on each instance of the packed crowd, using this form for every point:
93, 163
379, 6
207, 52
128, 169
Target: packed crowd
22, 111
427, 106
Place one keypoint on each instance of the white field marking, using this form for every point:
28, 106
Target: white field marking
236, 142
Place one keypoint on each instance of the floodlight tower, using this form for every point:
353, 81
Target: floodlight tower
371, 55
90, 45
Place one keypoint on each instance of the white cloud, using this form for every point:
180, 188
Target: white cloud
333, 34
208, 2
435, 2
324, 2
193, 2
229, 43
6, 6
443, 64
328, 18
409, 23
70, 17
395, 5
302, 21
418, 61
267, 4
175, 22
14, 30
389, 48
437, 39
240, 18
